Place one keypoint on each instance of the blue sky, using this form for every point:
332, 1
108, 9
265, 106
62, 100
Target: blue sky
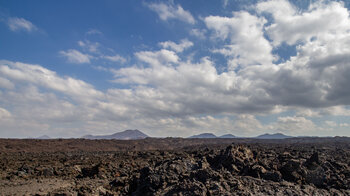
174, 68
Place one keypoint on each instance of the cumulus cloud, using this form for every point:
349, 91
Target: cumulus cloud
36, 113
20, 24
180, 47
44, 102
74, 56
115, 58
328, 111
291, 26
5, 83
247, 124
158, 58
192, 88
247, 44
181, 101
199, 33
295, 125
170, 11
38, 75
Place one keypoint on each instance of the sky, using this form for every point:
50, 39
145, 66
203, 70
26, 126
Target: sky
174, 68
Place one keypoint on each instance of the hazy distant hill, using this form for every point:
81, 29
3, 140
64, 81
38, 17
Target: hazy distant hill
43, 137
204, 135
273, 136
227, 136
124, 135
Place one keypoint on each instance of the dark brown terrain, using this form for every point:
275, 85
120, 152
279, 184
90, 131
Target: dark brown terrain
175, 166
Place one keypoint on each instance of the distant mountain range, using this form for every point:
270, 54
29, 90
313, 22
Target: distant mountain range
228, 136
203, 135
264, 136
136, 134
211, 135
124, 135
43, 137
273, 136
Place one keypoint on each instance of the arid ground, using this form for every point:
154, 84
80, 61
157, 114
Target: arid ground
175, 166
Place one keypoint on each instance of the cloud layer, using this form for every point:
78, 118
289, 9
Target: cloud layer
167, 92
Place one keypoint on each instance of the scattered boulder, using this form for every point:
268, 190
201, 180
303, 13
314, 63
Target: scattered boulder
90, 171
234, 159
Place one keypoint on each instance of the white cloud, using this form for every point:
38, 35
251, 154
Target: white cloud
180, 47
74, 56
100, 68
4, 114
115, 58
248, 125
43, 102
89, 46
159, 58
331, 123
20, 24
278, 8
344, 125
36, 113
5, 83
198, 33
327, 111
38, 75
295, 125
336, 111
291, 26
191, 88
247, 44
166, 12
94, 32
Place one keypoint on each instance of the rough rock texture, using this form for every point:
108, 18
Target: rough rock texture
278, 168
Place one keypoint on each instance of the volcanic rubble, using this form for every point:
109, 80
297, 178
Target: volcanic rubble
238, 169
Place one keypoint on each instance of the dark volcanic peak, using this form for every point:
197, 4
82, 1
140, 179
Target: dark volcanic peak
124, 135
273, 136
227, 136
136, 134
204, 135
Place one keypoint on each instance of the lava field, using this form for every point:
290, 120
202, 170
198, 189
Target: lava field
175, 166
